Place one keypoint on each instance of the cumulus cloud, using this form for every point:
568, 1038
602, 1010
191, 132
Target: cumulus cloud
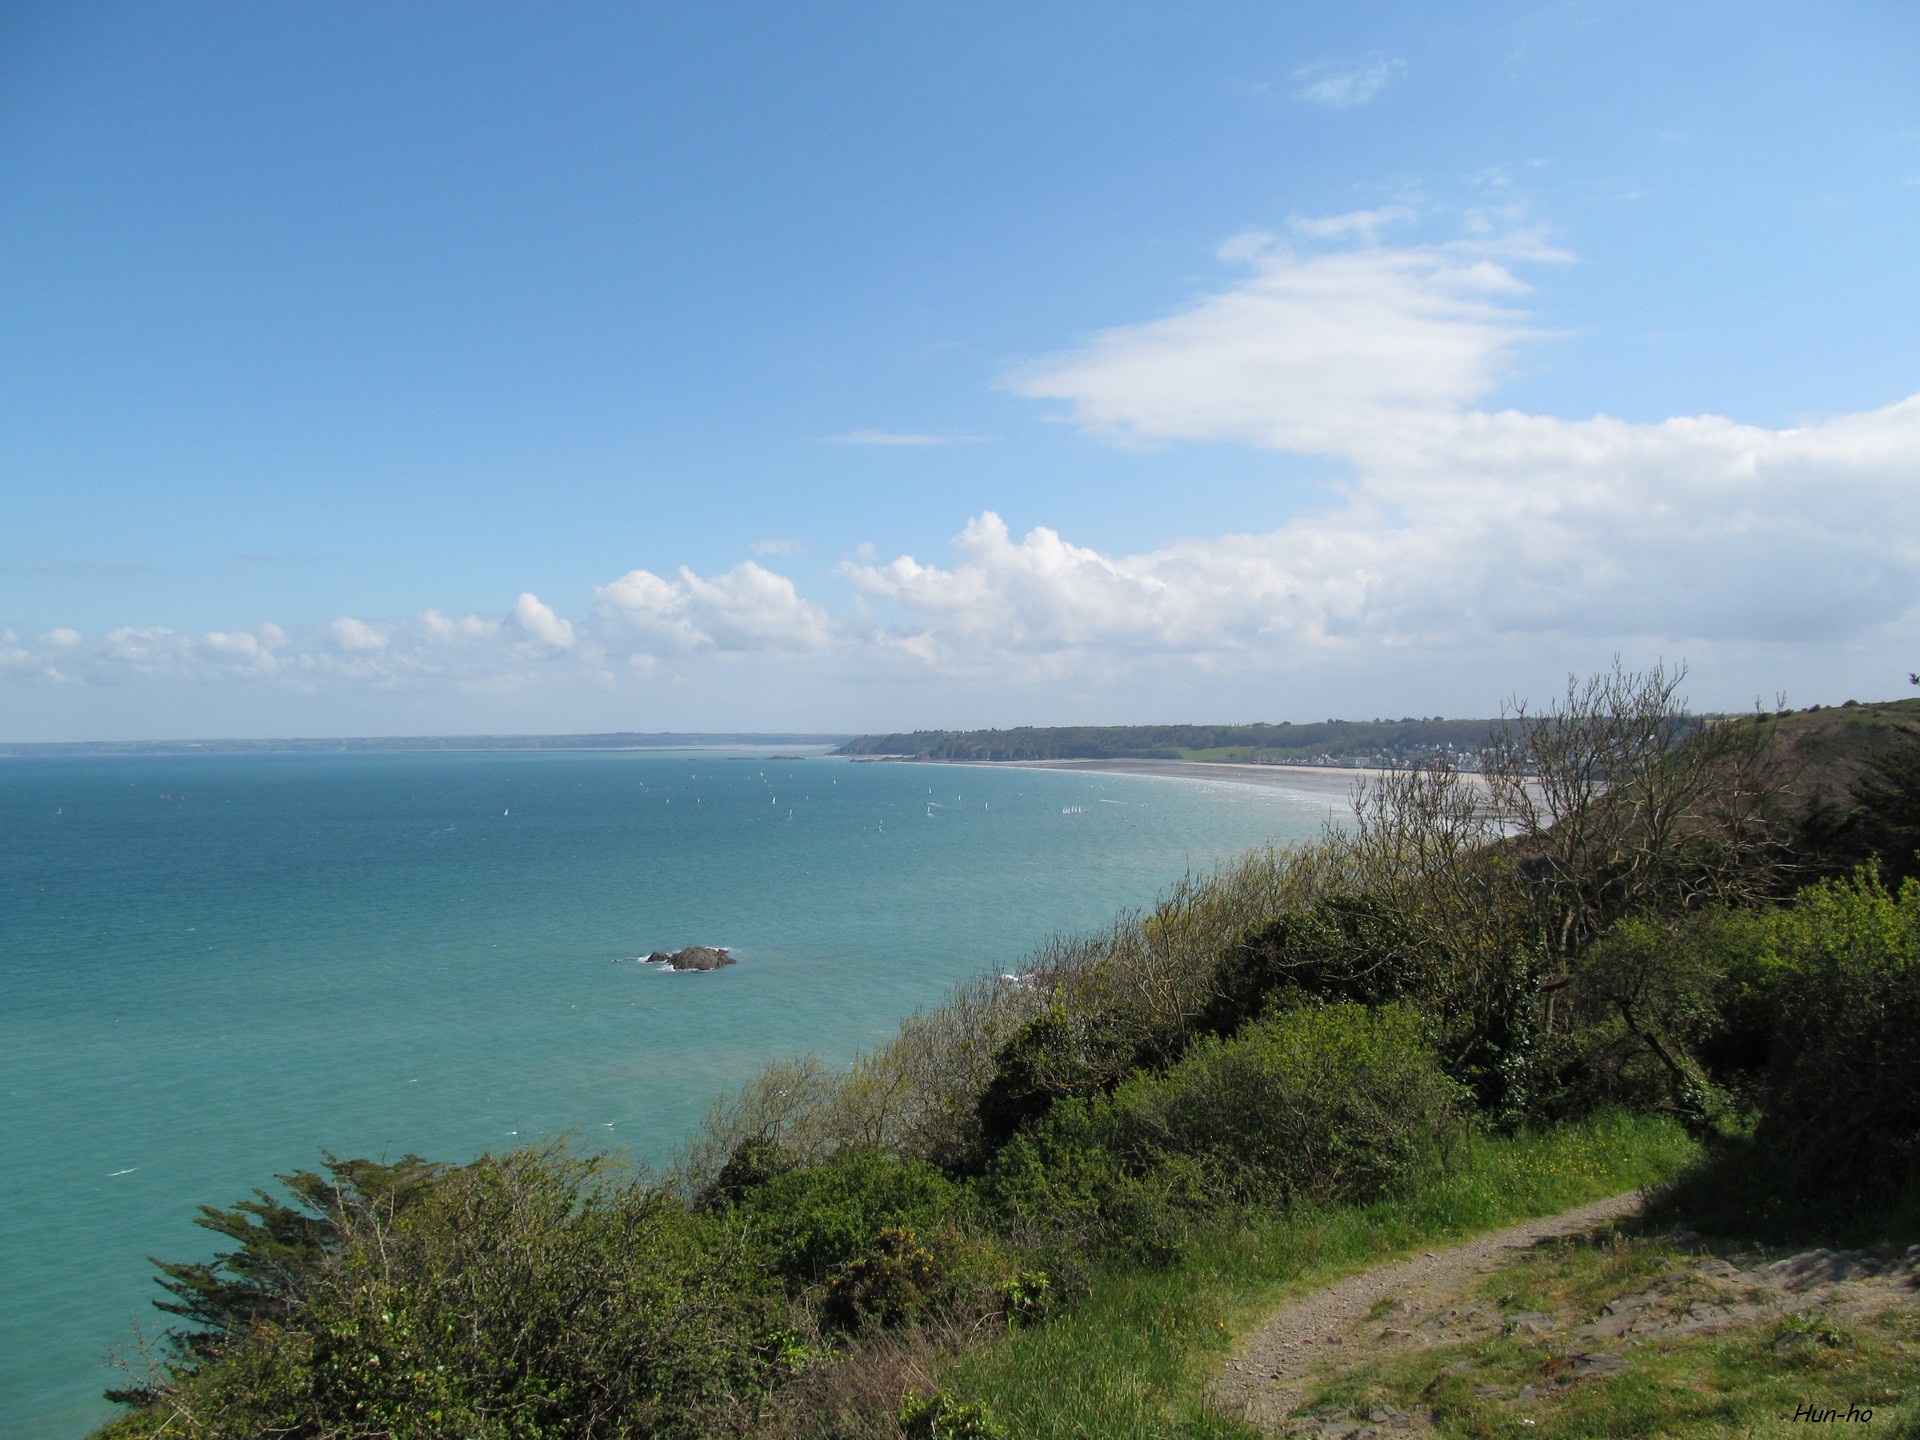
1353, 224
1695, 530
538, 621
156, 651
1343, 85
464, 629
468, 652
746, 608
356, 635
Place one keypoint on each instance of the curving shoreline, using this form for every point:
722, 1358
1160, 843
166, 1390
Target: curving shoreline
1329, 780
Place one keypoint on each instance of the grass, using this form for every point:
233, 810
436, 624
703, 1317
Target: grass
1132, 1361
1745, 1381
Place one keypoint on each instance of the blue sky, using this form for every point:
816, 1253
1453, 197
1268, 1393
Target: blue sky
447, 368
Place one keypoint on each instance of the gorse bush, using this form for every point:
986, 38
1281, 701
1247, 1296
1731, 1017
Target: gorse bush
809, 1223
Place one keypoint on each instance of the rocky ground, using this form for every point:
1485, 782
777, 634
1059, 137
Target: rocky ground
1508, 1326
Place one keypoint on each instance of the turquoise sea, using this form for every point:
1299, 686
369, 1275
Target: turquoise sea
213, 968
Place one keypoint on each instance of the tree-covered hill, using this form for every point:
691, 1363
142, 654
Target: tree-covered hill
1320, 742
1829, 745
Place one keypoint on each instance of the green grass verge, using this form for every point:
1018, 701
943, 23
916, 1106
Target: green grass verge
1132, 1361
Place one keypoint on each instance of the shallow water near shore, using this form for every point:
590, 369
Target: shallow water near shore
212, 968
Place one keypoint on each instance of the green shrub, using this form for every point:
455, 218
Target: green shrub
1842, 1095
1027, 1297
1828, 992
812, 1222
527, 1295
1352, 948
1322, 1102
1132, 993
1680, 1014
1329, 1102
940, 1417
891, 1283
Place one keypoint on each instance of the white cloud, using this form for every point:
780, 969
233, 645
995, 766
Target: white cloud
747, 608
239, 651
1305, 354
901, 437
777, 545
356, 635
159, 652
538, 621
464, 629
1354, 224
1460, 526
1341, 86
1695, 531
1469, 540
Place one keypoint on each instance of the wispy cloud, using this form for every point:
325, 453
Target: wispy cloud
1341, 85
777, 545
1354, 224
1309, 350
901, 437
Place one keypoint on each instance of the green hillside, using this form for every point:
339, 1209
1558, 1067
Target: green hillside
1319, 742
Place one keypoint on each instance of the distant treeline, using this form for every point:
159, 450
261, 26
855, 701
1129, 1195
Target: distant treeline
1318, 740
407, 744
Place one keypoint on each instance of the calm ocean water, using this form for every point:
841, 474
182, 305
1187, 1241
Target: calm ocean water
212, 968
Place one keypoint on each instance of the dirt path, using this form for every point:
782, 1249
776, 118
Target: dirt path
1264, 1380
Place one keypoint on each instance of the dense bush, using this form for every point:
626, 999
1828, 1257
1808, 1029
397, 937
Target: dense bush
1792, 1036
530, 1295
1676, 1013
1340, 1102
1337, 1102
1842, 1093
810, 1222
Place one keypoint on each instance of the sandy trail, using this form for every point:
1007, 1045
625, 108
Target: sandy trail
1267, 1375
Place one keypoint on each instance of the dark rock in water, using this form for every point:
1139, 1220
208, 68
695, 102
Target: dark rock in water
694, 957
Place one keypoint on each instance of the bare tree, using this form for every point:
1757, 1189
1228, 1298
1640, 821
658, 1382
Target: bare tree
1618, 802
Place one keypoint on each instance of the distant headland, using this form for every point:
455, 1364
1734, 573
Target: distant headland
1343, 744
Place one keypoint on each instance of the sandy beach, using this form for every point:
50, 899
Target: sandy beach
1328, 780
